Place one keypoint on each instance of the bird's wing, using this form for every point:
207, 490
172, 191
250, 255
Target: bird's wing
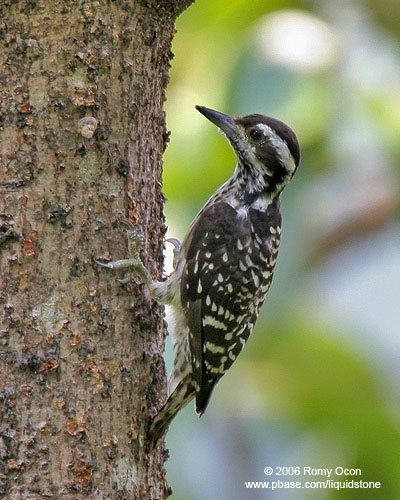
212, 294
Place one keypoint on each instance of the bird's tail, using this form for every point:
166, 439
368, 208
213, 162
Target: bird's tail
183, 393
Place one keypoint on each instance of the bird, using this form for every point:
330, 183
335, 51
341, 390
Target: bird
223, 269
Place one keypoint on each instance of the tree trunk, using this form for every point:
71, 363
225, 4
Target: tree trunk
82, 132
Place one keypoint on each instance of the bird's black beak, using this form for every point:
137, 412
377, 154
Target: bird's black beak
225, 122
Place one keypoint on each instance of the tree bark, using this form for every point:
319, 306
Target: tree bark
82, 132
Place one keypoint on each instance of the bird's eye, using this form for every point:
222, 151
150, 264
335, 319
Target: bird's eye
255, 134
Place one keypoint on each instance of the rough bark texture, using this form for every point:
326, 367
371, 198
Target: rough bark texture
80, 355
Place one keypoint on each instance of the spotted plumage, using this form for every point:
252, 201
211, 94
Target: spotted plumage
227, 273
224, 268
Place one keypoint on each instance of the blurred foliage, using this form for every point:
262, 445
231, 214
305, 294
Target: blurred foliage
317, 384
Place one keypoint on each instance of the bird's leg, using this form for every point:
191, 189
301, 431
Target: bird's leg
134, 263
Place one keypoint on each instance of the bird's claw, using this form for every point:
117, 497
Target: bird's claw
177, 249
135, 243
176, 243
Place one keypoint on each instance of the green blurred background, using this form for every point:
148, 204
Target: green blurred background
318, 382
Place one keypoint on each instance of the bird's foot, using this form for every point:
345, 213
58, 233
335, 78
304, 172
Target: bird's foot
134, 263
177, 249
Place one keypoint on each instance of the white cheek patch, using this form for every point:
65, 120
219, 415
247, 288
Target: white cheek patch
249, 153
280, 146
265, 129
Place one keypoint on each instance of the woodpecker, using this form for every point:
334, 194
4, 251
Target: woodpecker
224, 267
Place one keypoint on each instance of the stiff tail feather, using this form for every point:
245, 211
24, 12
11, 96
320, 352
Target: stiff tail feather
180, 397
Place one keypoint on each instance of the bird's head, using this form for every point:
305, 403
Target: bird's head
267, 150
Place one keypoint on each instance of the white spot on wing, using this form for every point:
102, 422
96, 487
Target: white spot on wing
213, 348
249, 262
210, 320
255, 278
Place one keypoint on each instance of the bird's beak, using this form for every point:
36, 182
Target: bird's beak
225, 122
